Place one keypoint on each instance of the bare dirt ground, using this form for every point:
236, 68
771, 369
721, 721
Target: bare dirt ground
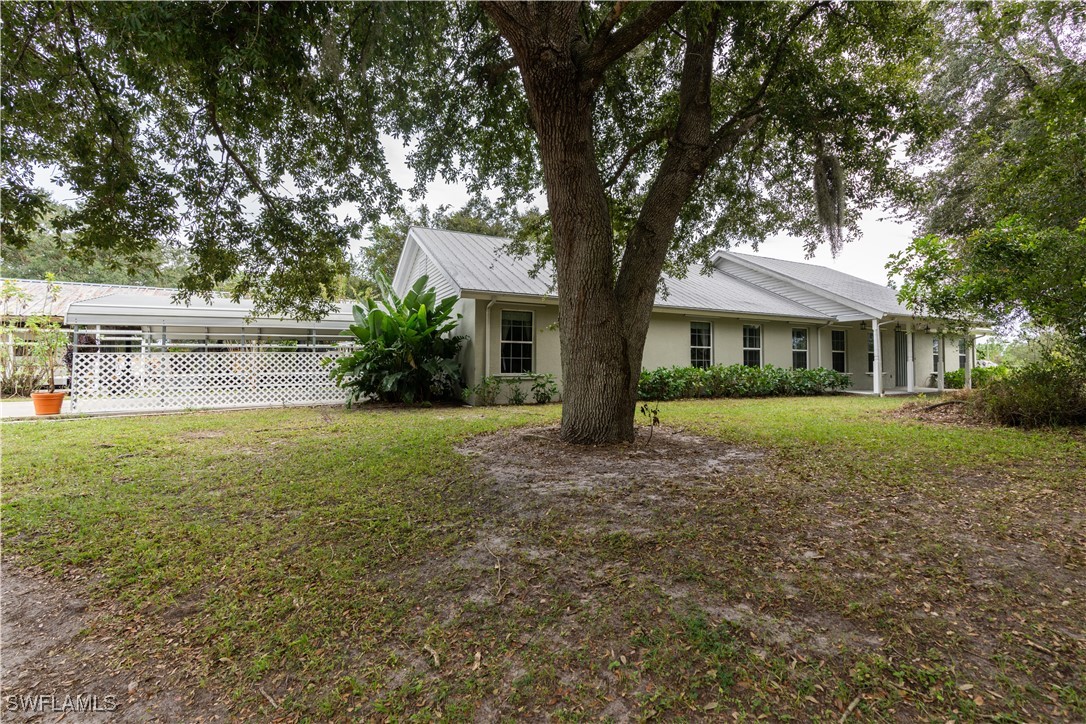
59, 662
601, 544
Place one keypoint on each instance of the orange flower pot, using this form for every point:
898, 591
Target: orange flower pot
47, 403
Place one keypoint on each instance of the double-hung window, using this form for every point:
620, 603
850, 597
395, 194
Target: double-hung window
871, 352
516, 342
963, 350
935, 354
799, 349
701, 344
838, 351
752, 345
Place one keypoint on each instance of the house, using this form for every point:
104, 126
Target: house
748, 310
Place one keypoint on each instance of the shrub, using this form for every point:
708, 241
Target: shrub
982, 377
672, 383
486, 392
1050, 391
544, 388
516, 392
405, 353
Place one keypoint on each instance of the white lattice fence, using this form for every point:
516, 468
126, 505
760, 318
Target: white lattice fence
118, 381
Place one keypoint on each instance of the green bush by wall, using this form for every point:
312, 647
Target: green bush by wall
673, 383
982, 377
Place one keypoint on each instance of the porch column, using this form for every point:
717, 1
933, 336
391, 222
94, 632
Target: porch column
942, 363
969, 362
876, 368
910, 364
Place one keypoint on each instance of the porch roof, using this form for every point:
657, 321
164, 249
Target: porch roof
142, 310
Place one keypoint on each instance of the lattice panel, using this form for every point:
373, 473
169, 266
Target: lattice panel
118, 381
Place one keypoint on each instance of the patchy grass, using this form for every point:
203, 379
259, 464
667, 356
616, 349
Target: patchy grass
808, 558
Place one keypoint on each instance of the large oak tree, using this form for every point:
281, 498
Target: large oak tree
657, 130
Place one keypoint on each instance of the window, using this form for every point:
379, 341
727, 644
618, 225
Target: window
962, 352
935, 354
871, 352
837, 350
752, 345
516, 341
799, 349
701, 344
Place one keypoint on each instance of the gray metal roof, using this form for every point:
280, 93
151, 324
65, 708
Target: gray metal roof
860, 291
143, 310
38, 300
478, 263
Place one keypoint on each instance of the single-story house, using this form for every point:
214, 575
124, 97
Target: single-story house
749, 310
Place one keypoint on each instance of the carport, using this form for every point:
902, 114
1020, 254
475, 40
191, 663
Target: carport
140, 352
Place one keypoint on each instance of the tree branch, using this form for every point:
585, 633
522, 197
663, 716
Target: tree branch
81, 61
250, 175
612, 17
660, 133
607, 47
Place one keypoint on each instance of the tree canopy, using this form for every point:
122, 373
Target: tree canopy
1005, 210
46, 254
244, 128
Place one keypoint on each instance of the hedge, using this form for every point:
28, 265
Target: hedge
982, 376
673, 383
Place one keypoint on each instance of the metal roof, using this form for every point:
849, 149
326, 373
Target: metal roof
38, 299
482, 264
140, 310
850, 288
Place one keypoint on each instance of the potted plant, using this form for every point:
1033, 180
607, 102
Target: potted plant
48, 343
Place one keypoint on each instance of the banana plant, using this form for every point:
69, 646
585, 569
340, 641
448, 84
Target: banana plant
406, 350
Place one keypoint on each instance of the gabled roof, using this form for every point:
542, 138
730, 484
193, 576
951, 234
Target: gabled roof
480, 265
854, 291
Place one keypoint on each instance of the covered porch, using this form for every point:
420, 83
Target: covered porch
906, 369
142, 353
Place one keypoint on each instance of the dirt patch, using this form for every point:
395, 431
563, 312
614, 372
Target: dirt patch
585, 537
955, 409
61, 659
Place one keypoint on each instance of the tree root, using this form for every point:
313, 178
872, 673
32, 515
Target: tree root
943, 404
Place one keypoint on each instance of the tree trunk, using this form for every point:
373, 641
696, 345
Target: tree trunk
604, 312
598, 394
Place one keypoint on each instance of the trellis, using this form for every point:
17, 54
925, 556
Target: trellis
126, 371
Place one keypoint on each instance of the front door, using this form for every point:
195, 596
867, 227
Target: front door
901, 341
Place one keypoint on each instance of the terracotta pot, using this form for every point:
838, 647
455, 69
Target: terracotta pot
47, 403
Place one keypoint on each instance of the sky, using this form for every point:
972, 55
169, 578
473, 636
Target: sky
865, 258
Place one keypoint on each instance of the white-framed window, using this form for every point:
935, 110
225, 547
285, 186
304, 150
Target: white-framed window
838, 350
752, 345
516, 342
701, 344
963, 351
871, 352
935, 354
799, 349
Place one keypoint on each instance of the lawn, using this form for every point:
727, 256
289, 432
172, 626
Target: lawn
790, 558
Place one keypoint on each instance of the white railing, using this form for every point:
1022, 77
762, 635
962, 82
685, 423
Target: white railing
177, 375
